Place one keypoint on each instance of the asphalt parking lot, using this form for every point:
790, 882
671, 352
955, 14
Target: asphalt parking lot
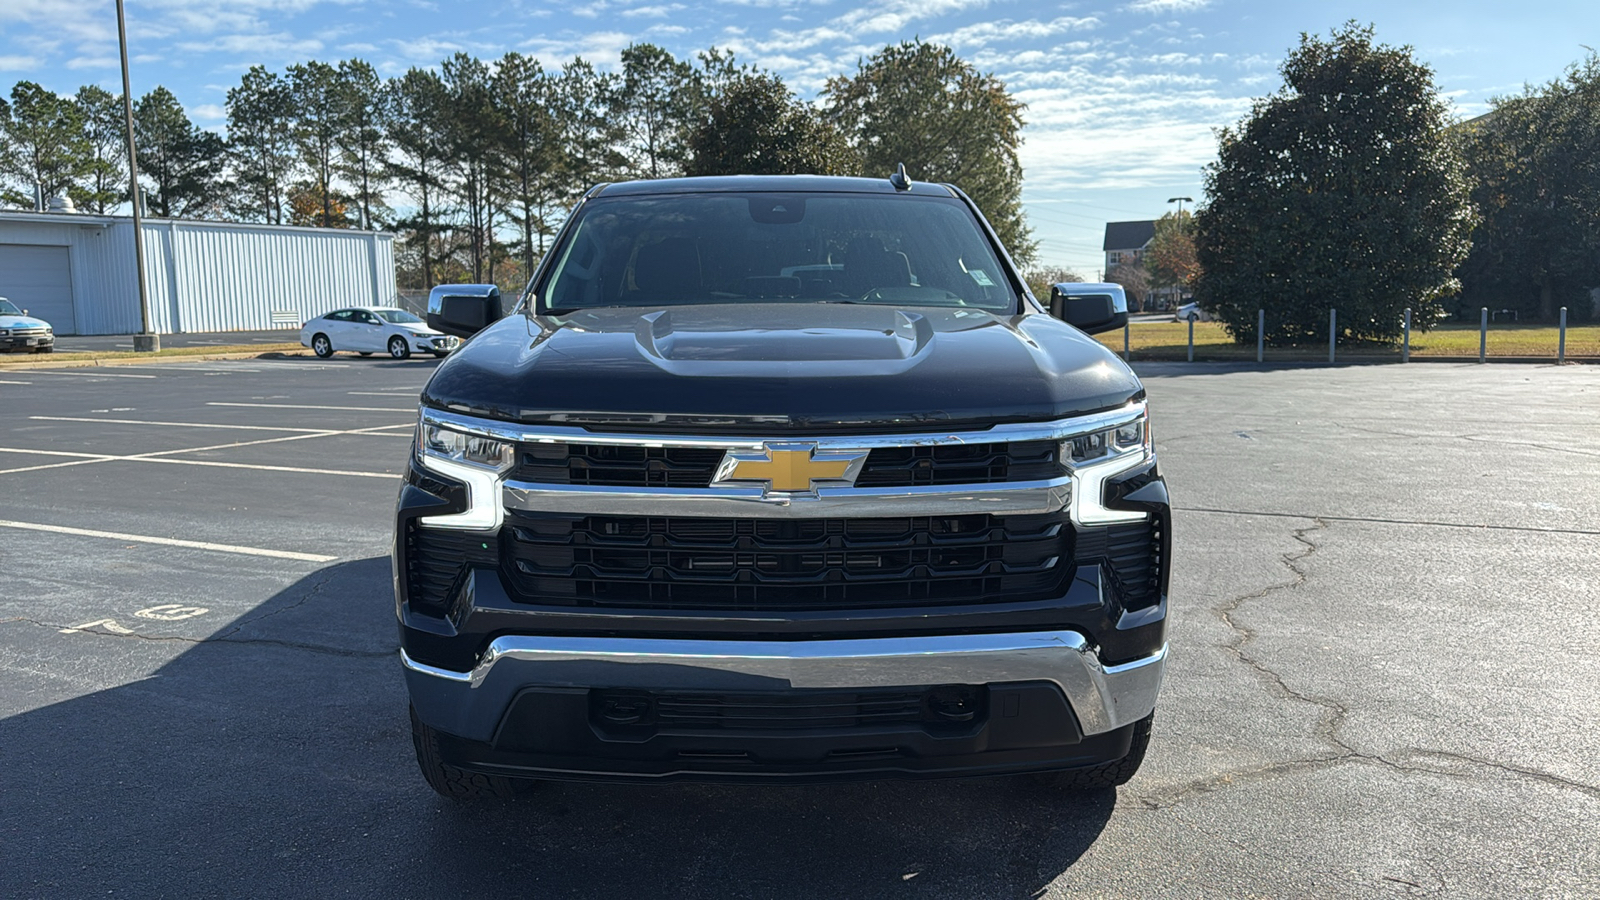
1383, 678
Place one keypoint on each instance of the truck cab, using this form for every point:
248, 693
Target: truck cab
780, 478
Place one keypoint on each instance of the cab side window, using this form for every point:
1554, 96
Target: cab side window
342, 315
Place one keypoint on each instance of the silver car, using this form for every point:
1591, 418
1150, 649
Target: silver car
20, 331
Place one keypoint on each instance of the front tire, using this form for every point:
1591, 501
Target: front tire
1106, 775
398, 348
1194, 317
321, 346
452, 782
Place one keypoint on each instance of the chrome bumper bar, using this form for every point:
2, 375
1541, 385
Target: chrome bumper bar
471, 703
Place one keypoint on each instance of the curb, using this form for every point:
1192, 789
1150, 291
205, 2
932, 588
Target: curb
145, 361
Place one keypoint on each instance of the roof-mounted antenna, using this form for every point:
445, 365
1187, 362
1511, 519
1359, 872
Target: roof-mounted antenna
900, 180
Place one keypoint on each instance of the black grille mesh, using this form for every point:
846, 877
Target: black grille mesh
787, 564
1132, 552
436, 558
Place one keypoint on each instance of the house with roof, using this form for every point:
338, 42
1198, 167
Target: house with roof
1126, 243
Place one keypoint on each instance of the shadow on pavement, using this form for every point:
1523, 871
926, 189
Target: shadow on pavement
273, 758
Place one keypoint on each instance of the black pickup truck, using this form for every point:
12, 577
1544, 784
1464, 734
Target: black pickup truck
780, 479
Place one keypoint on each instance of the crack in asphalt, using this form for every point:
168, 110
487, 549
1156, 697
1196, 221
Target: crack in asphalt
1334, 712
223, 639
1378, 520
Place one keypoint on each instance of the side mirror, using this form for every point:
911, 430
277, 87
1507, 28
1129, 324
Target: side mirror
463, 309
1091, 312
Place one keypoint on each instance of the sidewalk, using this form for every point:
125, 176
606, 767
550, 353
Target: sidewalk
107, 342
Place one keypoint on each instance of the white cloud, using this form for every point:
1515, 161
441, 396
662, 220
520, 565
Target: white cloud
1167, 6
982, 34
19, 63
654, 12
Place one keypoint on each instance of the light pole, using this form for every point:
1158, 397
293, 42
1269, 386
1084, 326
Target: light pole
1178, 292
144, 341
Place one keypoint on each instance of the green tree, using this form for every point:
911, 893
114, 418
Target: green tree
923, 105
528, 151
318, 97
582, 101
1341, 191
261, 142
105, 128
182, 163
471, 131
362, 114
1536, 165
419, 101
655, 107
47, 146
754, 125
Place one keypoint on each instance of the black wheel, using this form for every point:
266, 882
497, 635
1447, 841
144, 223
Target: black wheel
398, 348
1194, 317
1105, 775
450, 781
321, 346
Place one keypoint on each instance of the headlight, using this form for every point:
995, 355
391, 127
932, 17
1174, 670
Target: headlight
443, 443
5, 332
1100, 455
479, 463
421, 334
1111, 443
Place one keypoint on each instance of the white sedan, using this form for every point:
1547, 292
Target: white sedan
374, 329
1191, 312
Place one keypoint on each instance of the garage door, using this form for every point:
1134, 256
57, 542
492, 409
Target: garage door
39, 280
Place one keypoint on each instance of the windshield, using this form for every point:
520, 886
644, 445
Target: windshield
775, 248
397, 317
7, 308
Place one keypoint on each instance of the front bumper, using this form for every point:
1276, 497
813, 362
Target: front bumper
27, 342
443, 343
528, 707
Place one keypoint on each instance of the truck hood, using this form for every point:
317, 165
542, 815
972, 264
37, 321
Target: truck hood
783, 367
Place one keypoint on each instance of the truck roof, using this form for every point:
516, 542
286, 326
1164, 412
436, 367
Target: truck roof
767, 183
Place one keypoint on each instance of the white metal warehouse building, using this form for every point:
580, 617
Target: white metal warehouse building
76, 271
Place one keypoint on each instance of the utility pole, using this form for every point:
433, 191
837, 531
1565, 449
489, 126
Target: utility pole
144, 341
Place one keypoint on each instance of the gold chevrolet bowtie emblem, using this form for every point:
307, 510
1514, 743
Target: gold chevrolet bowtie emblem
790, 468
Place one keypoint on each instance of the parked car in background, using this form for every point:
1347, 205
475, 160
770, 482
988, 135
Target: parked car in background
1191, 312
374, 329
20, 331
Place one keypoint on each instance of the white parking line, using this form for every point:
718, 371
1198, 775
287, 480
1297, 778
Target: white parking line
16, 382
305, 406
81, 459
168, 542
93, 374
374, 430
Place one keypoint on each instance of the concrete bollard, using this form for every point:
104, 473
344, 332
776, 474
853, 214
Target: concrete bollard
1483, 335
1261, 334
1191, 339
1333, 331
1405, 344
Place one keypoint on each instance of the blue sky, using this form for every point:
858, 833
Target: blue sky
1123, 95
